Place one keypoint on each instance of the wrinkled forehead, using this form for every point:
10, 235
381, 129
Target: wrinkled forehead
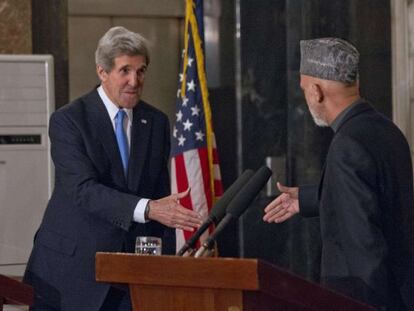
134, 61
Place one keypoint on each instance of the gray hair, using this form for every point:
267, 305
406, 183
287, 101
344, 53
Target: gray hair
119, 41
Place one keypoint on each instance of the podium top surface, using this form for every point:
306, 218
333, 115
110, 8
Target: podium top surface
218, 273
177, 271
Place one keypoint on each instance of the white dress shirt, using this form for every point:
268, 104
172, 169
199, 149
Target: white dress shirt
112, 111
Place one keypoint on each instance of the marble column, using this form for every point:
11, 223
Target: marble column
264, 119
50, 36
15, 27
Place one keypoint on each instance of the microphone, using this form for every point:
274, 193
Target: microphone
238, 205
217, 212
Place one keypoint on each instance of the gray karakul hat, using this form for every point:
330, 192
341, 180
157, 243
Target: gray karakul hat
329, 59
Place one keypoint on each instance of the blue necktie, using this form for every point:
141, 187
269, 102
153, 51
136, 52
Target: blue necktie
122, 139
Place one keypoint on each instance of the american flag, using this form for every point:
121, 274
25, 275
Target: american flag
194, 161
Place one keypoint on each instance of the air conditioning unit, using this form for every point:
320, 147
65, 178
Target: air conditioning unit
26, 169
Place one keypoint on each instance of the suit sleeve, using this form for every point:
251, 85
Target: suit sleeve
308, 201
79, 179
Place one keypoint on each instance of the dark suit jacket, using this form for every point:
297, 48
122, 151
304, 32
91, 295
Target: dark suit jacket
91, 208
365, 203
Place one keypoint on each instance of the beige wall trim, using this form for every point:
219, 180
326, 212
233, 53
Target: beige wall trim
401, 67
159, 8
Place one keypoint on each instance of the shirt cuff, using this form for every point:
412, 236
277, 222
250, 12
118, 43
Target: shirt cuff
139, 212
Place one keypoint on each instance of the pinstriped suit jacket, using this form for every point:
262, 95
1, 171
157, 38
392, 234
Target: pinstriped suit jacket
91, 208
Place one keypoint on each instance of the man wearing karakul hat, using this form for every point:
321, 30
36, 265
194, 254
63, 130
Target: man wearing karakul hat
365, 195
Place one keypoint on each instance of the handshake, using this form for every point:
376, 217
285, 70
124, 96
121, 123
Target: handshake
229, 208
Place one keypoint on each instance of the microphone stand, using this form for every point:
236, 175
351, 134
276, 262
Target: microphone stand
203, 251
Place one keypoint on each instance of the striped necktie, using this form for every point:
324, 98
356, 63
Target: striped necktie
122, 139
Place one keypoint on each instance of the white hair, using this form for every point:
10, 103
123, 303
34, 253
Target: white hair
119, 41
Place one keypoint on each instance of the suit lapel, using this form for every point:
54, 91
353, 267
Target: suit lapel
140, 138
98, 115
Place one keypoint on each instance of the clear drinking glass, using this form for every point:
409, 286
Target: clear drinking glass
148, 245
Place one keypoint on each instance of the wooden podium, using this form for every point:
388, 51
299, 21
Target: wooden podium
186, 283
15, 292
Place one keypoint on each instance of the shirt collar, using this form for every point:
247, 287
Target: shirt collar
111, 107
338, 120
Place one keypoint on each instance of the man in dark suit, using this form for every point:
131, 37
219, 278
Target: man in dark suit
365, 195
110, 150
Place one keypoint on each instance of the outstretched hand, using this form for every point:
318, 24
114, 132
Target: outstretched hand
284, 206
171, 213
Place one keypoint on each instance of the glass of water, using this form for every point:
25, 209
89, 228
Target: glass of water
148, 245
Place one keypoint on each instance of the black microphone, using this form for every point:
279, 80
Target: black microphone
238, 205
218, 211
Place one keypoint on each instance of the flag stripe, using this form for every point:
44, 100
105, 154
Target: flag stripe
192, 160
196, 179
174, 188
182, 181
204, 165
